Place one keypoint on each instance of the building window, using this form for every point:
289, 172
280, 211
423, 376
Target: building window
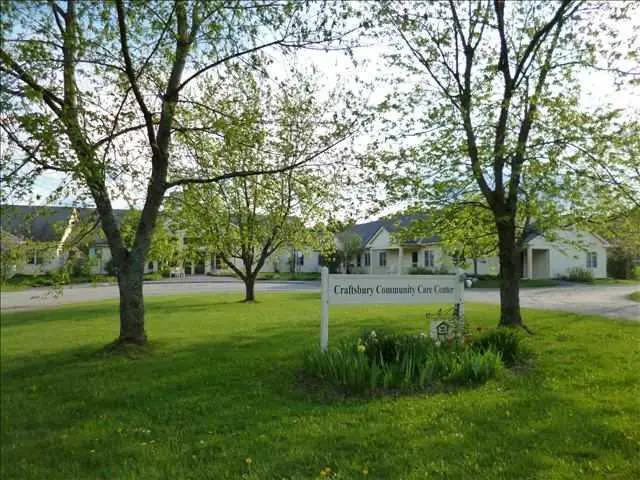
383, 259
367, 259
150, 266
37, 258
359, 260
428, 258
414, 259
592, 260
300, 258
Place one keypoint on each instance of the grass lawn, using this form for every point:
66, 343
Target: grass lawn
614, 281
220, 385
495, 283
289, 276
635, 296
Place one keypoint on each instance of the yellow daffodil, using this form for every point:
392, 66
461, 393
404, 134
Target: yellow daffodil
248, 460
361, 348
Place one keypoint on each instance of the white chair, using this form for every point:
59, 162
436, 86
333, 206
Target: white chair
176, 272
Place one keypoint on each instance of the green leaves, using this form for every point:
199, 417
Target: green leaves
284, 139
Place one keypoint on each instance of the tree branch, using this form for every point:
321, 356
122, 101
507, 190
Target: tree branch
537, 40
115, 135
226, 59
52, 100
131, 74
249, 173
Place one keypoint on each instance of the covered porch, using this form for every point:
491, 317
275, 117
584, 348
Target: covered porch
536, 263
397, 260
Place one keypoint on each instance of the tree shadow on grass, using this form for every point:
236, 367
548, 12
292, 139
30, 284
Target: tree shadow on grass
90, 312
78, 313
242, 387
238, 392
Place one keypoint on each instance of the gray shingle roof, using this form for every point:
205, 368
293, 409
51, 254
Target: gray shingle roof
43, 224
366, 231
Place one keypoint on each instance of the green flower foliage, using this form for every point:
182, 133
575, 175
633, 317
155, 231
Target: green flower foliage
380, 362
504, 341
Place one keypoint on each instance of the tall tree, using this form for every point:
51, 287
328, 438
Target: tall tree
92, 91
487, 104
248, 219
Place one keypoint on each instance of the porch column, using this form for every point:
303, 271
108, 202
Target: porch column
207, 263
371, 261
400, 260
529, 263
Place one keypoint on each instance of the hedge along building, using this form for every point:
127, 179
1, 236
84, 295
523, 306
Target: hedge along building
543, 256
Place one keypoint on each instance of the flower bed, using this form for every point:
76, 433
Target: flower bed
376, 361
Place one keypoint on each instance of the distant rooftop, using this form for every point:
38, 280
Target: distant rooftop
39, 223
367, 230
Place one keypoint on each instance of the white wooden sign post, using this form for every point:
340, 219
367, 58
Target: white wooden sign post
388, 289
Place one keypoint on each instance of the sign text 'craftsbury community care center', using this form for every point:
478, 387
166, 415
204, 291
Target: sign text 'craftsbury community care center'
386, 289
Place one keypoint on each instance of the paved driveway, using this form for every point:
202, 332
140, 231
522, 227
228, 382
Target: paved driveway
44, 297
609, 301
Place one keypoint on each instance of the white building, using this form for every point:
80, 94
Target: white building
381, 253
541, 258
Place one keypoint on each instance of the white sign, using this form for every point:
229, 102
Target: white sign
394, 289
406, 289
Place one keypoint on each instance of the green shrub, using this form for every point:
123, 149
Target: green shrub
110, 268
487, 277
378, 361
579, 274
45, 280
81, 267
153, 276
506, 342
635, 273
442, 270
420, 271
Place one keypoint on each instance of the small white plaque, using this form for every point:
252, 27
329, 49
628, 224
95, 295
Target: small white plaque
441, 330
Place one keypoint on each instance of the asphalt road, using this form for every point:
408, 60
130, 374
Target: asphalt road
36, 298
609, 301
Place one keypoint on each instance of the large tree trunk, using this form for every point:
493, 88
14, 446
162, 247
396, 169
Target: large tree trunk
130, 279
249, 287
510, 270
